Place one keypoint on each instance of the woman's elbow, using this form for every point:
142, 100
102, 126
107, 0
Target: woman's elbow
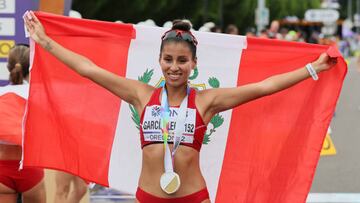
267, 88
86, 68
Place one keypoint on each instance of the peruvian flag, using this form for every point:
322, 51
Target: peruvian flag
12, 109
263, 151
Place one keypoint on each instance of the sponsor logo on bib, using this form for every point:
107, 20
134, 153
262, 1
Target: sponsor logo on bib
151, 125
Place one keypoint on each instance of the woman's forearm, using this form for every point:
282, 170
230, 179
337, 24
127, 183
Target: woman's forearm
283, 81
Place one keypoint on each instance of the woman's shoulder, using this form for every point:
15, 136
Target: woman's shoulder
147, 90
146, 94
204, 94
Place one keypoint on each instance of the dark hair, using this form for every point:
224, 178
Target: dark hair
216, 28
183, 26
232, 29
18, 63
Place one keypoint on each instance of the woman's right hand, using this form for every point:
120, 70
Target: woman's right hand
324, 62
34, 27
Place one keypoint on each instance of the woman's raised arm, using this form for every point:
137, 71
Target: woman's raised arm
131, 91
221, 99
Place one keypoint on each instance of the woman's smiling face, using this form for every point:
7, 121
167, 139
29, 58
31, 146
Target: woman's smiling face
176, 61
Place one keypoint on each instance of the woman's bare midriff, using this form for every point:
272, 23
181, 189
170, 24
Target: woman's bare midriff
186, 165
10, 152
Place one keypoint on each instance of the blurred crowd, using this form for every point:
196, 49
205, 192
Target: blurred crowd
347, 42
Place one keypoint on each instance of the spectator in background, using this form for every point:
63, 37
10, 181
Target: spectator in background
344, 46
264, 34
273, 32
28, 181
327, 40
216, 29
356, 49
250, 32
291, 36
283, 33
210, 27
301, 36
232, 29
314, 37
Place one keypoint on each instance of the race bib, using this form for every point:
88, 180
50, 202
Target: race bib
151, 125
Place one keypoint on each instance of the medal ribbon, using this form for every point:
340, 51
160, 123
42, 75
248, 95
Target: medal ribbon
179, 127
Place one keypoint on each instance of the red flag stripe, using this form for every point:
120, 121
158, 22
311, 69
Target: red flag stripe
12, 108
50, 87
274, 142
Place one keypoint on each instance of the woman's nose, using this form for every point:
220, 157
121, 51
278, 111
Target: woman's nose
174, 66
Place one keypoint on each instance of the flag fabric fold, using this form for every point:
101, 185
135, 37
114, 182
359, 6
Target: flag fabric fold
12, 109
274, 142
263, 151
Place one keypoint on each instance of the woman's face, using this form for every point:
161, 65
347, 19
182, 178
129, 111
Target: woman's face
176, 63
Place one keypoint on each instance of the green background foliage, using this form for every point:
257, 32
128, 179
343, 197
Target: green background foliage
239, 12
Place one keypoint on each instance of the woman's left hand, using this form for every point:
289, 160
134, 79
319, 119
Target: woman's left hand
324, 62
35, 28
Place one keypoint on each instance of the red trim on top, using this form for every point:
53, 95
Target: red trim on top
199, 132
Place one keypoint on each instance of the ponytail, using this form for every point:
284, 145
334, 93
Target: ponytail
18, 63
16, 75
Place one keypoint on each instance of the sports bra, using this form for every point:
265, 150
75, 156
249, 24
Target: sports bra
150, 123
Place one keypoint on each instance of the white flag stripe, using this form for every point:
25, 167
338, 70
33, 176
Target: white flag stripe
20, 90
144, 54
218, 56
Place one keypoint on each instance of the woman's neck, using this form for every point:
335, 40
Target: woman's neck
176, 95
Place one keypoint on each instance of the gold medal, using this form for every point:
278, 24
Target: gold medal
170, 182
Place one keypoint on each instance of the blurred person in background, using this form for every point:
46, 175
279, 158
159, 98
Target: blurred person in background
314, 37
344, 46
301, 35
232, 29
250, 32
28, 181
355, 47
263, 34
273, 32
283, 32
291, 36
216, 29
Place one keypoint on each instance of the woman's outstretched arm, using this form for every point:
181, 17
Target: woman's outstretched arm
221, 99
132, 91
